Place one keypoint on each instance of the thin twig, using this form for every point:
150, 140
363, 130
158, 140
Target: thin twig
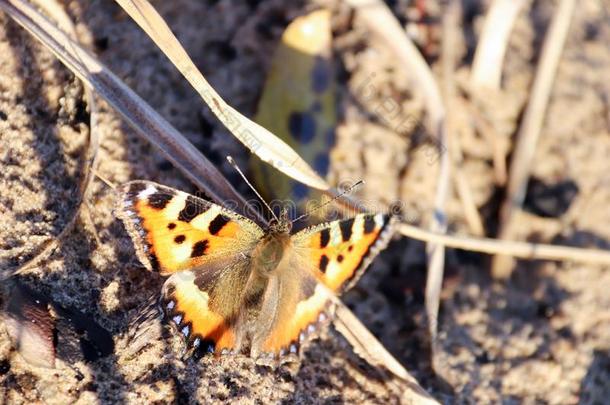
531, 126
522, 250
489, 55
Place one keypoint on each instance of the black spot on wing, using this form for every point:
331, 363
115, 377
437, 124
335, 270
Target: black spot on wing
324, 237
218, 223
324, 263
135, 189
302, 126
179, 239
199, 248
340, 258
191, 209
159, 200
369, 224
171, 226
207, 346
346, 228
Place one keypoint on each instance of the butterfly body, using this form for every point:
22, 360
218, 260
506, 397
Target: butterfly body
236, 288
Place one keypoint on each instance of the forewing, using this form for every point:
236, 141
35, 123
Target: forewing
174, 231
340, 251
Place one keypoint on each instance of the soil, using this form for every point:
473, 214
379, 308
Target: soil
542, 336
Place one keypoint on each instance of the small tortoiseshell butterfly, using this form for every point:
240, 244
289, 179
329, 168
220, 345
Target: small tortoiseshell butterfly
234, 286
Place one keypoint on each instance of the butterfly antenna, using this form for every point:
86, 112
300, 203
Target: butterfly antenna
346, 191
243, 176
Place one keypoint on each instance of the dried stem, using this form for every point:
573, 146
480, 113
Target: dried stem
522, 250
489, 55
531, 126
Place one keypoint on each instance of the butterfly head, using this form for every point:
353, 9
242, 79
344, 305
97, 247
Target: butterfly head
281, 224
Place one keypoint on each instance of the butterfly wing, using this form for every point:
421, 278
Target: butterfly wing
204, 247
174, 231
294, 305
204, 304
340, 251
319, 261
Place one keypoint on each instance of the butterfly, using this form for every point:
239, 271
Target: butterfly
235, 287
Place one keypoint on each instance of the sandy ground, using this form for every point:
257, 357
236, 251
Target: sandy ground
543, 336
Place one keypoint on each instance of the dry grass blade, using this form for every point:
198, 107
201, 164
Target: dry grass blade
257, 139
367, 346
489, 55
527, 137
57, 12
146, 121
380, 20
523, 250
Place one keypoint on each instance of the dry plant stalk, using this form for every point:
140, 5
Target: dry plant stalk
381, 22
489, 55
522, 250
531, 126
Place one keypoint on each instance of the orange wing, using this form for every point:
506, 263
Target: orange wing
205, 306
342, 250
294, 306
174, 231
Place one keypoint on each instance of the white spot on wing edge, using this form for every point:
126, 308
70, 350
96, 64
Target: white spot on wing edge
177, 319
379, 220
149, 190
